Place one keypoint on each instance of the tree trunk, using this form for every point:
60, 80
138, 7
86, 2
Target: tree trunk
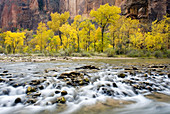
102, 38
61, 42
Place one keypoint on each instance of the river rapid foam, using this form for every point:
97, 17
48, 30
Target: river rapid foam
27, 88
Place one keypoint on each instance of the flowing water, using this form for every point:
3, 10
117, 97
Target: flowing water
68, 87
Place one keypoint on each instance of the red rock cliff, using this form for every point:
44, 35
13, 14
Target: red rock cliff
28, 13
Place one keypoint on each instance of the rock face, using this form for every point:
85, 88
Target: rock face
146, 9
28, 13
25, 13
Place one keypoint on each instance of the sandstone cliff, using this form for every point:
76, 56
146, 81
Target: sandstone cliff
28, 13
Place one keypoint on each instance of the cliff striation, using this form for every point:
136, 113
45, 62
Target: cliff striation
28, 13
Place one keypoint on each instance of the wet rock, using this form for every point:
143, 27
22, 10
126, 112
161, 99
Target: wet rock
36, 72
168, 75
135, 68
156, 66
5, 71
61, 100
30, 90
17, 100
88, 67
41, 87
145, 75
121, 75
149, 88
52, 59
6, 92
35, 82
114, 84
128, 68
31, 101
37, 94
1, 80
81, 83
63, 93
57, 92
16, 85
86, 79
4, 74
69, 83
50, 69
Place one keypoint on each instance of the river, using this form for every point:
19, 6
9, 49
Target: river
85, 86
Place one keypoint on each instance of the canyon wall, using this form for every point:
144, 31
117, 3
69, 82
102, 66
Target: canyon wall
28, 13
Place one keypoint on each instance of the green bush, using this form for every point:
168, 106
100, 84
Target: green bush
76, 54
85, 54
168, 53
110, 52
136, 53
158, 54
2, 50
66, 52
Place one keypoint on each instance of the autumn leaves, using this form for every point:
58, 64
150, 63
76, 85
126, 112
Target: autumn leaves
104, 29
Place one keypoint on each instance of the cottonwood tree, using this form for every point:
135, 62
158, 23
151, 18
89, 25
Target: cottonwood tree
57, 20
103, 16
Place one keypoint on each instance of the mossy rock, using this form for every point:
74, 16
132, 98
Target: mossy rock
30, 90
61, 100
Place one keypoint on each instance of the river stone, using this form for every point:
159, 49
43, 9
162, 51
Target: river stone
61, 100
121, 75
5, 71
41, 87
88, 67
30, 89
114, 84
168, 75
57, 92
32, 101
37, 94
63, 93
1, 80
17, 100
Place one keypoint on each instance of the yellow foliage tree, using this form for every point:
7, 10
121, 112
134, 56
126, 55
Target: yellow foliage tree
103, 16
76, 26
57, 20
14, 40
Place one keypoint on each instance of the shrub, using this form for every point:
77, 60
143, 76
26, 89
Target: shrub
168, 53
66, 52
2, 50
136, 53
158, 54
85, 54
110, 52
76, 54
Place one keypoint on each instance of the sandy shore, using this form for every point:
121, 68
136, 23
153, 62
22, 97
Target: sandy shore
48, 58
